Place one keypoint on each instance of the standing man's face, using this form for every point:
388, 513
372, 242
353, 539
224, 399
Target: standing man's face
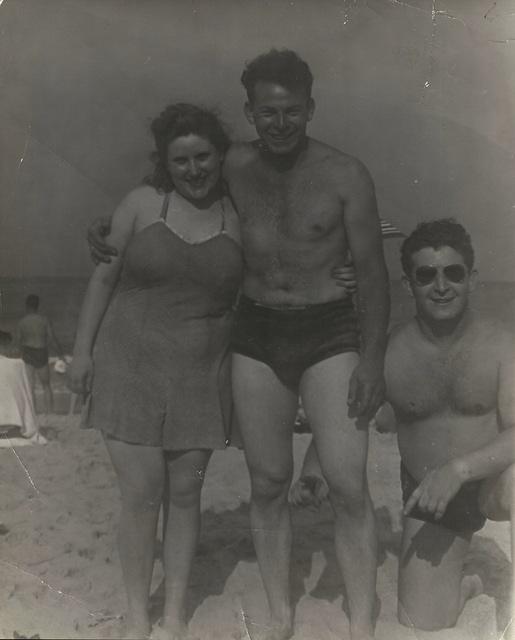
440, 282
280, 116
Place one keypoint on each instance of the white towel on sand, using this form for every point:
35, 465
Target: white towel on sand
16, 406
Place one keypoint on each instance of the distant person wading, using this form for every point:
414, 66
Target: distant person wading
33, 337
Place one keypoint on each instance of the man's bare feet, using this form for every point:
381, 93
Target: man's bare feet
171, 632
362, 633
280, 632
135, 630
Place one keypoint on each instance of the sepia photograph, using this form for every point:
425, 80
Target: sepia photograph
257, 319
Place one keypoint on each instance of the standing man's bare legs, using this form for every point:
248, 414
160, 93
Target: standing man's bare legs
266, 411
141, 472
342, 445
185, 478
48, 397
43, 374
31, 375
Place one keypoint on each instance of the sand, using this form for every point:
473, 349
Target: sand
61, 576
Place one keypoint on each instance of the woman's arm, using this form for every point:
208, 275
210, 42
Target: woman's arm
98, 294
98, 234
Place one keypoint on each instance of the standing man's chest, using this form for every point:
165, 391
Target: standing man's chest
296, 204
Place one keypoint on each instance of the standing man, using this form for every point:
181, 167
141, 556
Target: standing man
450, 378
34, 334
303, 205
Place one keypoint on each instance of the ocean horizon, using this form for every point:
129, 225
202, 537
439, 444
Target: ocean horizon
61, 299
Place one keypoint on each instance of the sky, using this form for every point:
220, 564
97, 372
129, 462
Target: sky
422, 91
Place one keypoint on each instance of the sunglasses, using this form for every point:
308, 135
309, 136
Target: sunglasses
454, 273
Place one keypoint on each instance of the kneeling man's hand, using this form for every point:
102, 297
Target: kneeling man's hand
437, 489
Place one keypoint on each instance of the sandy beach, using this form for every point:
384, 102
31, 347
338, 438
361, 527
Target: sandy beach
61, 575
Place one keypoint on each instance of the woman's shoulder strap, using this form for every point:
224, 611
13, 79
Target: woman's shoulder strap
164, 208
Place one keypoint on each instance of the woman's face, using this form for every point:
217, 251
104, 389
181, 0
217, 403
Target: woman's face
195, 166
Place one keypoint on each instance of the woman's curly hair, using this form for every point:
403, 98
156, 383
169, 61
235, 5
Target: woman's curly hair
182, 119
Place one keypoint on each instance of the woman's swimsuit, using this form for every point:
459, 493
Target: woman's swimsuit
161, 361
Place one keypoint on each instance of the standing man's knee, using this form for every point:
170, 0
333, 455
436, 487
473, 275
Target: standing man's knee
347, 497
268, 485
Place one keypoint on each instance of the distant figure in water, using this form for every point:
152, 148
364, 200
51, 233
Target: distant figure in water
33, 336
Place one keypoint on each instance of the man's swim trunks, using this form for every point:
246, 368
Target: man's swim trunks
292, 339
37, 358
462, 514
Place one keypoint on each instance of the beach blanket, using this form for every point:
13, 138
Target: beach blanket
16, 406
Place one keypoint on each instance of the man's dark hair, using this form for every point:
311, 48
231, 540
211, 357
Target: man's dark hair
445, 232
32, 302
283, 67
177, 120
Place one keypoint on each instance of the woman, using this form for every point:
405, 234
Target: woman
160, 378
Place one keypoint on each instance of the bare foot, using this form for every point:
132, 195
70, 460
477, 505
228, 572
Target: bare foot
362, 634
136, 632
281, 632
175, 632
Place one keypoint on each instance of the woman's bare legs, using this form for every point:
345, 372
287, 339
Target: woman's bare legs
141, 472
185, 477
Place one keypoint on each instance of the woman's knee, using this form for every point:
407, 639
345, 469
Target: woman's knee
186, 473
142, 497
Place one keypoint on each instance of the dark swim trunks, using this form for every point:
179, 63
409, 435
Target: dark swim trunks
37, 358
462, 514
290, 340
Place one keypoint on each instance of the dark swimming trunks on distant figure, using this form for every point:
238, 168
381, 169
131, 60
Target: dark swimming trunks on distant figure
291, 340
36, 357
462, 514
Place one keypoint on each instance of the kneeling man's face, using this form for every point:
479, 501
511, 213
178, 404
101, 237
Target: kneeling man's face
440, 282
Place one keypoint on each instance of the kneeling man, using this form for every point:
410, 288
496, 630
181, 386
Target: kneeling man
450, 378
